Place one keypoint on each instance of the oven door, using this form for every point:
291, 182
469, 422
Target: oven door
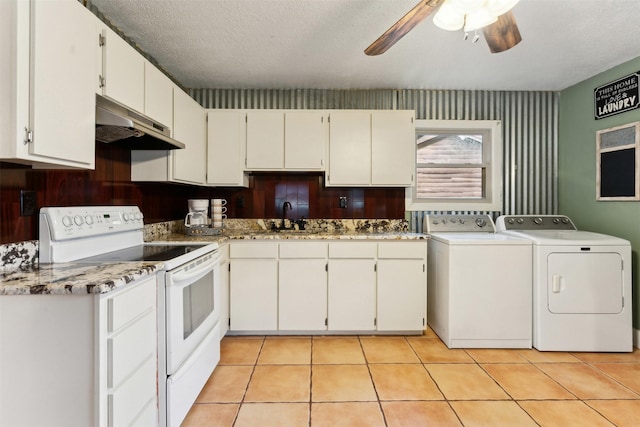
192, 306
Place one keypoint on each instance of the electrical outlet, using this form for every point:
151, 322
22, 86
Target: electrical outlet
27, 203
343, 202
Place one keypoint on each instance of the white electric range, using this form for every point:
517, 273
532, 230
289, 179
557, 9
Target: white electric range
188, 290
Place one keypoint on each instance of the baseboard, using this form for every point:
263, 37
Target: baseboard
636, 338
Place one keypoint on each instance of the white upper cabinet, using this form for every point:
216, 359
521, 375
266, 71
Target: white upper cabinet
265, 139
226, 135
47, 83
158, 95
190, 128
392, 148
286, 140
349, 148
187, 165
371, 148
305, 139
122, 75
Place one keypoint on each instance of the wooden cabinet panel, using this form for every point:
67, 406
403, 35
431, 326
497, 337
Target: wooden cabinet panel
349, 148
254, 295
190, 128
392, 148
226, 137
305, 140
158, 95
352, 295
302, 294
265, 140
122, 72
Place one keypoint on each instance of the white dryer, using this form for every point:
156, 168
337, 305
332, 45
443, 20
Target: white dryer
581, 285
478, 283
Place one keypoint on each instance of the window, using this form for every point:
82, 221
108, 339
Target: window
458, 166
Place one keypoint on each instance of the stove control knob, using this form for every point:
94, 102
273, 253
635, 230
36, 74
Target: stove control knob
138, 216
520, 220
461, 221
444, 220
88, 219
481, 222
436, 222
67, 221
511, 220
125, 216
565, 220
78, 220
537, 220
556, 220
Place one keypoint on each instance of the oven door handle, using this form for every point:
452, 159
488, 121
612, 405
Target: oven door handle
185, 277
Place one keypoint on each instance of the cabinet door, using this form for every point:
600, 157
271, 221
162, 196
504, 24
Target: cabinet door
123, 72
304, 140
158, 95
392, 148
265, 140
352, 295
402, 285
190, 128
225, 148
224, 297
253, 295
302, 294
63, 72
349, 148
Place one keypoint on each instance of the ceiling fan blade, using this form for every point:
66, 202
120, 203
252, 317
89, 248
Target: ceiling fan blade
503, 34
403, 26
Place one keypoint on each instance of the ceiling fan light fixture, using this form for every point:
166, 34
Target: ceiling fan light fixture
471, 15
449, 17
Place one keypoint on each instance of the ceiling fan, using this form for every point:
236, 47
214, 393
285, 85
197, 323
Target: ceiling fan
500, 29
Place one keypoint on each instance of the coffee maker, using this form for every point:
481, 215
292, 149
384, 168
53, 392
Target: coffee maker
197, 216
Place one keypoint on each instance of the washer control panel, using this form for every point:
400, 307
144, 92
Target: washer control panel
534, 222
458, 223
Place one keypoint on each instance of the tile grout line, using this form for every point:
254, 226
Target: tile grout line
255, 363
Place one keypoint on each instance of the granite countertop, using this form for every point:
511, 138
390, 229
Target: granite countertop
73, 278
21, 274
234, 235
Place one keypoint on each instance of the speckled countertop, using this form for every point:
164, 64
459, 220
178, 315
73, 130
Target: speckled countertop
21, 274
72, 278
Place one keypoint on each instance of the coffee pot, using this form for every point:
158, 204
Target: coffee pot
197, 216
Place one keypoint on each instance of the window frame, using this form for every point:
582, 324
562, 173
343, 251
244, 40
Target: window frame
493, 180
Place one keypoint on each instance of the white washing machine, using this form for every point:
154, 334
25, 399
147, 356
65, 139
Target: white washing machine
581, 285
478, 283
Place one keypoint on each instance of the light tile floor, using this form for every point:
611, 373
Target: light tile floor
412, 381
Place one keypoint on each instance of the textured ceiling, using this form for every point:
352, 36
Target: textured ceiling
319, 44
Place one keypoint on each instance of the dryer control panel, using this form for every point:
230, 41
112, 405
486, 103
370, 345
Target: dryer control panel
534, 222
458, 223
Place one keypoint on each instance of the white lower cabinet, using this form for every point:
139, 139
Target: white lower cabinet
402, 279
352, 294
91, 358
224, 290
302, 286
253, 283
348, 286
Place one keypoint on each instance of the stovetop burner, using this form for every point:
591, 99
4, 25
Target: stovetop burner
143, 253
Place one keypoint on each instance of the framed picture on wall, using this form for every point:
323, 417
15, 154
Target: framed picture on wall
617, 159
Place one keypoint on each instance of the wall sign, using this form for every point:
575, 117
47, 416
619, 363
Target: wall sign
617, 158
617, 97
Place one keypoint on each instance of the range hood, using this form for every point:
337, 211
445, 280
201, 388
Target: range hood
119, 125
